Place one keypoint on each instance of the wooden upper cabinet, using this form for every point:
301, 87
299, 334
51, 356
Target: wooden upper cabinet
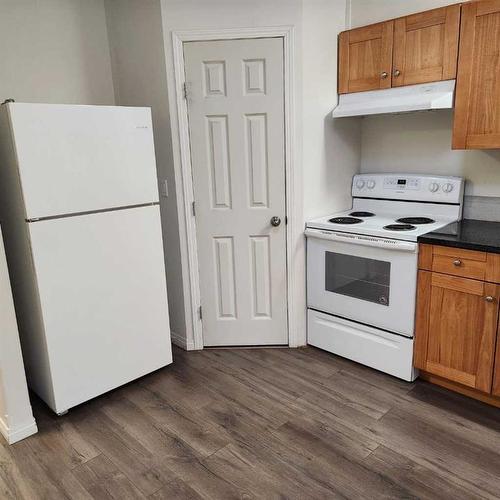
426, 46
477, 100
456, 328
365, 58
414, 49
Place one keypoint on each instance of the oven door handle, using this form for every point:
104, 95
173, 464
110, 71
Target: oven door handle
367, 241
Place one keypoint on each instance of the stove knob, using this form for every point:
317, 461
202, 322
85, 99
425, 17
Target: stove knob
433, 187
370, 184
448, 187
360, 183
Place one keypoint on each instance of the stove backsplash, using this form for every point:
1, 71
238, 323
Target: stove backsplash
482, 208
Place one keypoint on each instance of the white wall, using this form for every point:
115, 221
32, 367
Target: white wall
331, 148
139, 74
191, 14
364, 12
16, 417
419, 142
55, 51
326, 152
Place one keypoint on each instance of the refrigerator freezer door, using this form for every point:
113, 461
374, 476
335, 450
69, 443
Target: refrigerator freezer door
102, 287
83, 158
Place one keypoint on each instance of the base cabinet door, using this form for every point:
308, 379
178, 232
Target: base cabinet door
496, 378
477, 101
457, 328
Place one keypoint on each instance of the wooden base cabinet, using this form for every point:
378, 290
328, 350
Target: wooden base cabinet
457, 321
496, 379
457, 334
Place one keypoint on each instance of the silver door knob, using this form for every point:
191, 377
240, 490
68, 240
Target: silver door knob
489, 298
396, 72
275, 221
384, 74
457, 262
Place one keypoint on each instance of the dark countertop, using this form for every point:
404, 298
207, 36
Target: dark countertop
480, 235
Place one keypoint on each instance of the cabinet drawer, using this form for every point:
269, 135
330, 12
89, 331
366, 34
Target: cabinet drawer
459, 262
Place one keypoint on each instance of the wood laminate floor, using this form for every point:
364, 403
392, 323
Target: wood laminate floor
270, 423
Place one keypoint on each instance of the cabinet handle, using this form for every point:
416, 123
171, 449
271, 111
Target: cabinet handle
384, 74
396, 72
489, 298
457, 262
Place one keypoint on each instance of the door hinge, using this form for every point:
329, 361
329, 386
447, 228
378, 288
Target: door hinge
200, 313
193, 208
185, 90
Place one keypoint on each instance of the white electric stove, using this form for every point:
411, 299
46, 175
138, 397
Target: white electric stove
362, 267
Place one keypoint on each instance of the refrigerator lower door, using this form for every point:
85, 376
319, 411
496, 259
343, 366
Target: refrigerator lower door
102, 287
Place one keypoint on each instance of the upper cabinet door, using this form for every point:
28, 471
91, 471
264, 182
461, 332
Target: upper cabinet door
477, 100
365, 58
426, 46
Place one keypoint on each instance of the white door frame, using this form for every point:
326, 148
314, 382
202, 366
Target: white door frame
296, 308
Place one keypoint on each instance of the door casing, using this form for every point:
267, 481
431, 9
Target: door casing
295, 240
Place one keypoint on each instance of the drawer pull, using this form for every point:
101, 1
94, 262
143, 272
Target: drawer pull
457, 263
489, 298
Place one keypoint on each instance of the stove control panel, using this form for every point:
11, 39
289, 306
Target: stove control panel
410, 187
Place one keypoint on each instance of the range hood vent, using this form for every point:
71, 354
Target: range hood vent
425, 96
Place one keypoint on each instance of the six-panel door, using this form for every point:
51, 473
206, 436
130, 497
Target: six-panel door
457, 328
477, 102
426, 46
365, 58
236, 125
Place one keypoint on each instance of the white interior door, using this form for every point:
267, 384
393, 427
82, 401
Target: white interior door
236, 123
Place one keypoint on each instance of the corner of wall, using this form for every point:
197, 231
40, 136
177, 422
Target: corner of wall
348, 20
139, 68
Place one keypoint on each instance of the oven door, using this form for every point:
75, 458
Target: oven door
363, 278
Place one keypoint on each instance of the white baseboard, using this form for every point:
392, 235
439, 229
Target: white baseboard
17, 433
182, 342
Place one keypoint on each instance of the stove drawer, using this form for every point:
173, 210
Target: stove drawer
378, 349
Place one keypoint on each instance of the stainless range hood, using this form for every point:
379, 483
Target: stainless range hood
425, 96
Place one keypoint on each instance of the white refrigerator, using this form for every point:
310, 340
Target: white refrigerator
80, 213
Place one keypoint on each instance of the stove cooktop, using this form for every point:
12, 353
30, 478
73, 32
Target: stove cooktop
400, 227
382, 224
401, 207
416, 220
345, 220
362, 214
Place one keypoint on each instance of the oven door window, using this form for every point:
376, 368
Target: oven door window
358, 277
